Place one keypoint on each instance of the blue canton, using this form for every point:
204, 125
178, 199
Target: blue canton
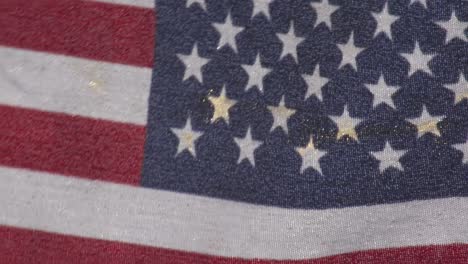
310, 103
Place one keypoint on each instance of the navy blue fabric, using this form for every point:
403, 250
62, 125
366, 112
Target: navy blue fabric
351, 176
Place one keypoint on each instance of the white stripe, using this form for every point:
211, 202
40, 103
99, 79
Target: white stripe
75, 86
136, 215
138, 3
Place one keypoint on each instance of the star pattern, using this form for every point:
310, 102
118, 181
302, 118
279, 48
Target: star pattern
454, 28
247, 147
463, 147
193, 64
261, 7
290, 42
427, 123
202, 3
460, 89
256, 74
221, 105
389, 157
315, 83
346, 124
310, 156
384, 21
323, 11
382, 93
349, 52
281, 114
187, 138
418, 60
228, 32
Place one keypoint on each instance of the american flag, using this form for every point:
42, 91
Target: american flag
233, 131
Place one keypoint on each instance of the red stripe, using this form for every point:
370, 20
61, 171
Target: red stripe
71, 145
27, 246
99, 31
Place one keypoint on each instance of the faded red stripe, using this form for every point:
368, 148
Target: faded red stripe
71, 145
18, 246
99, 31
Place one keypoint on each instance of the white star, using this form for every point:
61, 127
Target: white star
193, 64
389, 157
187, 138
346, 124
460, 89
247, 146
227, 33
426, 123
261, 6
422, 2
324, 12
221, 105
384, 21
382, 93
454, 27
290, 42
311, 156
349, 52
202, 3
281, 114
256, 73
418, 60
315, 82
463, 147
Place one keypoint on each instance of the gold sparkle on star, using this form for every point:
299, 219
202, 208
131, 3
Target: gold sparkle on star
427, 123
346, 124
351, 132
221, 105
429, 127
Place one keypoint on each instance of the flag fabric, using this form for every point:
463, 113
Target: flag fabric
234, 131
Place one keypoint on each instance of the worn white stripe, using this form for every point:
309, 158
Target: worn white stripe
138, 3
136, 215
76, 86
